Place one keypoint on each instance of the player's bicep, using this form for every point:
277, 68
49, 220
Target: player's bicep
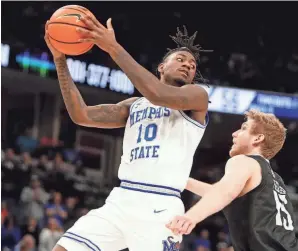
188, 97
108, 115
238, 171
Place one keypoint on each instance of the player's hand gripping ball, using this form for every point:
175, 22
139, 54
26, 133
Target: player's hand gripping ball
95, 32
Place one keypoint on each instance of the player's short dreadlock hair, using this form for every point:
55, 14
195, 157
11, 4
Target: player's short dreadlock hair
186, 43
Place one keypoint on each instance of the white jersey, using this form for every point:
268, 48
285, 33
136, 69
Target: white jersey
158, 146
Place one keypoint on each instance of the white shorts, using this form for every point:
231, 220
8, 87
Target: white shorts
134, 217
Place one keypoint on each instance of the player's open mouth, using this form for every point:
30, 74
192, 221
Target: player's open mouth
184, 72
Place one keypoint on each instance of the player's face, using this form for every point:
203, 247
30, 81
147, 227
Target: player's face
243, 140
180, 67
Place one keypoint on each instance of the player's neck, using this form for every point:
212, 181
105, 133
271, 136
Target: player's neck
171, 82
255, 152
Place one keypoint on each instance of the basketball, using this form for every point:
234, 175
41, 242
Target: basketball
62, 30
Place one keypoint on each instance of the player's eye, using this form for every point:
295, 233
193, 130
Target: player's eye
193, 67
180, 59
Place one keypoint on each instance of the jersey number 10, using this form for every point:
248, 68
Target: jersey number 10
150, 132
281, 201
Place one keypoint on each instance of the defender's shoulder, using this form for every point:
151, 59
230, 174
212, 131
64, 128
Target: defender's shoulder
243, 160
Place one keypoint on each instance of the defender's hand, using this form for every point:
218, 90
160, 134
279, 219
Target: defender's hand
96, 33
181, 225
55, 53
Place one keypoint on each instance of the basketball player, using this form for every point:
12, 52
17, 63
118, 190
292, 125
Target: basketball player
162, 132
254, 198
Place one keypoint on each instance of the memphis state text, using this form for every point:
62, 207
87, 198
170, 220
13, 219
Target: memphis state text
146, 133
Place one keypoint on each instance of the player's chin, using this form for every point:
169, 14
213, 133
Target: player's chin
181, 80
233, 152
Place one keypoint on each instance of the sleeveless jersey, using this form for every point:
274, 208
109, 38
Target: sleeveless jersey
263, 219
159, 144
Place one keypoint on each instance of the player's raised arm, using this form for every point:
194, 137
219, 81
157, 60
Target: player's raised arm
187, 97
101, 116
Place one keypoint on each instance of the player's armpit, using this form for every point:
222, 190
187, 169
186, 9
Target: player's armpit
106, 115
197, 187
187, 97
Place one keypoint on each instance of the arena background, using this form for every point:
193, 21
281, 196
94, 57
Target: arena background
254, 65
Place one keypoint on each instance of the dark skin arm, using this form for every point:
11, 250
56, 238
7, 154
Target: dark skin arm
189, 97
100, 116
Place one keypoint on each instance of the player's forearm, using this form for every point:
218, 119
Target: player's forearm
146, 83
216, 199
198, 187
72, 98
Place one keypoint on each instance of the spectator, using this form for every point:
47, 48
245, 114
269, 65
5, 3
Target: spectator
10, 159
24, 170
26, 161
4, 212
59, 164
2, 155
44, 163
71, 210
27, 243
57, 176
34, 198
9, 173
10, 233
203, 242
26, 143
50, 235
31, 228
56, 209
222, 244
42, 169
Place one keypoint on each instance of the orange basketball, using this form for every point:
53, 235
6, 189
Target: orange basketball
62, 30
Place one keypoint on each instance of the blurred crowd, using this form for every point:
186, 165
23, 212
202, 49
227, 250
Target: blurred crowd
40, 201
44, 191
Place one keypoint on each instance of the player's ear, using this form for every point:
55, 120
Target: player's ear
259, 139
161, 68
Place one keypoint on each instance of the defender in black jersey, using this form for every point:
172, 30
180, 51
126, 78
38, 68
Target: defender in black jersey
252, 196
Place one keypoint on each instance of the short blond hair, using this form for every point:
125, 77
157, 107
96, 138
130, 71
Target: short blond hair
273, 130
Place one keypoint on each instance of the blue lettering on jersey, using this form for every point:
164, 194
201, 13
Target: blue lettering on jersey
152, 112
149, 112
144, 152
167, 112
170, 245
146, 133
138, 116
